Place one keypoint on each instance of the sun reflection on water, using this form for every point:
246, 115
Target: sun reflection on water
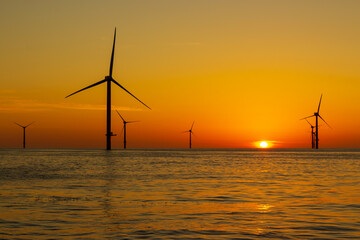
264, 208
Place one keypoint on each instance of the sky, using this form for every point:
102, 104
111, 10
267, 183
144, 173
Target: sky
244, 71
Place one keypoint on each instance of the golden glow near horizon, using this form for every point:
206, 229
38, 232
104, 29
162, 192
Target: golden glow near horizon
243, 70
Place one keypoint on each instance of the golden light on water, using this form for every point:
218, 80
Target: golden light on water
264, 207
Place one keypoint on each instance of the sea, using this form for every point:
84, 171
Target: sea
180, 194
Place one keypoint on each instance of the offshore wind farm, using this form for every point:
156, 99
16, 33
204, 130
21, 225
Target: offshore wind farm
317, 116
248, 72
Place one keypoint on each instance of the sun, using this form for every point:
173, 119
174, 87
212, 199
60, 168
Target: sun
263, 144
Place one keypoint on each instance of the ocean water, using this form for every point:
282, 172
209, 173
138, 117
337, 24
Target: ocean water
179, 194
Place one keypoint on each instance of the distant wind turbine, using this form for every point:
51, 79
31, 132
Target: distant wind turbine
317, 116
312, 134
24, 127
124, 127
190, 133
108, 80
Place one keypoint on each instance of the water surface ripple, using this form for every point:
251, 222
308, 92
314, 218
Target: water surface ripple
179, 194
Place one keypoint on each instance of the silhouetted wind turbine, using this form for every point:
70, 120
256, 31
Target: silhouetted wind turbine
312, 134
108, 80
124, 127
24, 127
190, 133
317, 115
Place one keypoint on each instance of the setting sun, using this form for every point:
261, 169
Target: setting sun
263, 144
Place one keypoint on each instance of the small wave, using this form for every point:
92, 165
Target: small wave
327, 228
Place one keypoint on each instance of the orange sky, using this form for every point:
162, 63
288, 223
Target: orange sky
244, 71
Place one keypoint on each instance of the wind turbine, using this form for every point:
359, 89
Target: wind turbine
109, 79
24, 127
317, 116
124, 127
190, 133
312, 134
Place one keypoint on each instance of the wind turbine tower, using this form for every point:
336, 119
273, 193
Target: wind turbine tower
109, 79
190, 133
312, 134
24, 128
124, 127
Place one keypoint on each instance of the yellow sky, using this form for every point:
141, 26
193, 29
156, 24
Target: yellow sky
245, 71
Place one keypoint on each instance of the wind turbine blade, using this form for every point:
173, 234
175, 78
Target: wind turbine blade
307, 117
19, 125
309, 122
120, 115
192, 125
29, 124
133, 121
319, 104
112, 56
93, 85
325, 122
129, 93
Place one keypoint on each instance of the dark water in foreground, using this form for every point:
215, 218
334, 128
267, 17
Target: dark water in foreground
179, 194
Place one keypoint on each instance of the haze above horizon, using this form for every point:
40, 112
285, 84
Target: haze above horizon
245, 71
